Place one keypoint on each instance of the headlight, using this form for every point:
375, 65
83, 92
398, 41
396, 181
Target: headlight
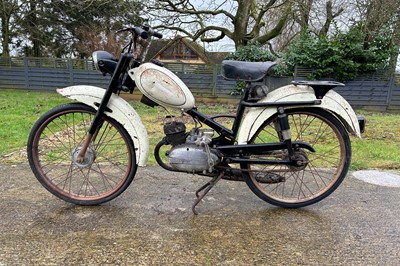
104, 62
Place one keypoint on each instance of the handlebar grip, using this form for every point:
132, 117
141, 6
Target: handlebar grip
142, 33
154, 33
157, 35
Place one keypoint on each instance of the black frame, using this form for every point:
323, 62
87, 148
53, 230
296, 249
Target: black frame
225, 143
237, 153
244, 103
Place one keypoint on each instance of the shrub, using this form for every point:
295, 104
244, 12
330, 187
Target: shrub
343, 56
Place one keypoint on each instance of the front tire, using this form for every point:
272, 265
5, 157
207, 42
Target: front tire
54, 142
308, 184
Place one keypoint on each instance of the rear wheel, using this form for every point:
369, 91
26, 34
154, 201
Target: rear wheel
324, 170
109, 165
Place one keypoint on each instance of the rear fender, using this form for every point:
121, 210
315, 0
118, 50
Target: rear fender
121, 112
332, 102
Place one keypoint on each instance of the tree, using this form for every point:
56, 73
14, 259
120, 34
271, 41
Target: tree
244, 21
60, 28
97, 38
396, 42
379, 15
9, 18
308, 13
67, 25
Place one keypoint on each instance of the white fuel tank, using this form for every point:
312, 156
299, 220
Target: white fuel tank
162, 86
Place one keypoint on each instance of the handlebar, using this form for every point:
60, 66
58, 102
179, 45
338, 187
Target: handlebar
156, 34
143, 31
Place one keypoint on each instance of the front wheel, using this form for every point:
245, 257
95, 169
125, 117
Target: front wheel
324, 170
54, 143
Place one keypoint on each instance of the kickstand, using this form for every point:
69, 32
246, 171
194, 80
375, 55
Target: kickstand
207, 187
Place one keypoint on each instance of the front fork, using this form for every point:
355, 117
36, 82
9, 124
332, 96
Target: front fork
97, 122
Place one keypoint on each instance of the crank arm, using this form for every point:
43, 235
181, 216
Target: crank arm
260, 149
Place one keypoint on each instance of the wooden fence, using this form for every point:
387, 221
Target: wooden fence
378, 90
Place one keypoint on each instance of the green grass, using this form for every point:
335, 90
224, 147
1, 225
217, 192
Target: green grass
18, 112
379, 148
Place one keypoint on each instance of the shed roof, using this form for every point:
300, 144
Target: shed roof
157, 47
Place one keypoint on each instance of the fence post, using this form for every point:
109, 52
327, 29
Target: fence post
215, 74
390, 92
26, 72
71, 71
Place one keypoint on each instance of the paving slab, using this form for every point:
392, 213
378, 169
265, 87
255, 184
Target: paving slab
378, 177
152, 224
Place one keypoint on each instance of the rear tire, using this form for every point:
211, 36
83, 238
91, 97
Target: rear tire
326, 167
54, 142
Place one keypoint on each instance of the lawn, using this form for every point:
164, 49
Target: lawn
379, 148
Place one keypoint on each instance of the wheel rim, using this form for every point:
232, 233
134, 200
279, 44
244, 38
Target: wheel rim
107, 163
322, 171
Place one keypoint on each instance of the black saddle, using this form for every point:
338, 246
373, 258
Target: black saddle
246, 71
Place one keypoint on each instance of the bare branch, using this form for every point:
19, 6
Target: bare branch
329, 17
275, 31
192, 11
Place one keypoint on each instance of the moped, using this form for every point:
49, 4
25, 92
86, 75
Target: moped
291, 145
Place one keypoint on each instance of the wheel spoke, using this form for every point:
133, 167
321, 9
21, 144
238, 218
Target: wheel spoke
323, 170
109, 164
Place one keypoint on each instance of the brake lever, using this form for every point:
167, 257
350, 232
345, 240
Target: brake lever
120, 31
138, 31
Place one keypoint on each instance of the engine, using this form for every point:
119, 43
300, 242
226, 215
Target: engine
191, 151
192, 158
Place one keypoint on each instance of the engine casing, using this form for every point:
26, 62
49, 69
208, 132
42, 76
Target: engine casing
191, 158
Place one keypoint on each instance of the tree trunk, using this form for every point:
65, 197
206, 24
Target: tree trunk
396, 43
304, 13
5, 34
34, 33
5, 27
241, 22
330, 16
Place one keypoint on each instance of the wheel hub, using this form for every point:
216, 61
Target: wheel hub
301, 158
87, 160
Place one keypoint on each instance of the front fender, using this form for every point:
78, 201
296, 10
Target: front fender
332, 102
121, 112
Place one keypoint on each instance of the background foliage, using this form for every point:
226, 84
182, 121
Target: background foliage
42, 28
342, 57
340, 38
